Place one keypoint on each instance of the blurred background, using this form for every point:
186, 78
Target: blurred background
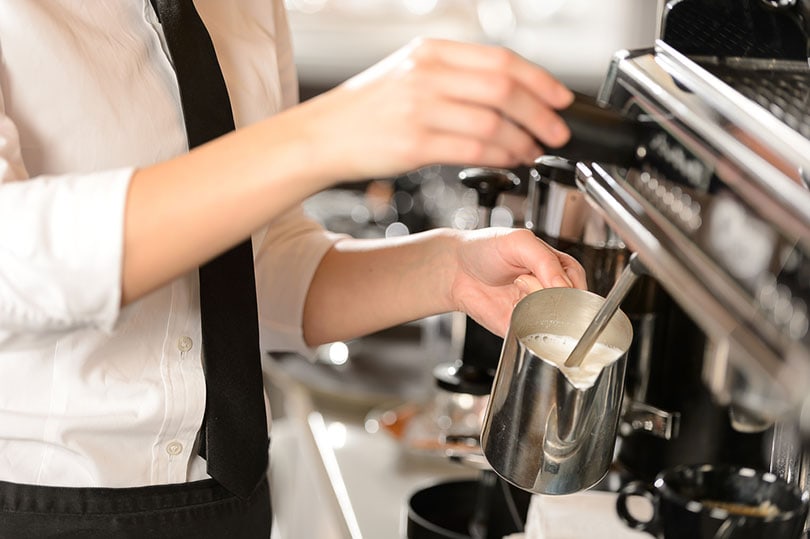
336, 39
574, 39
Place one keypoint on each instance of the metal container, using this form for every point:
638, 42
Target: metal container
540, 432
558, 212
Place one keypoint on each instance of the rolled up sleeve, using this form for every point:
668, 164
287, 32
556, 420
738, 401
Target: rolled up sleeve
60, 251
61, 245
288, 252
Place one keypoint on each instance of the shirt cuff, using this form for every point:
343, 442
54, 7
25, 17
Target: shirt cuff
61, 251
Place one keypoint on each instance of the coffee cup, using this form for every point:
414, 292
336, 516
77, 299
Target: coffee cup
717, 502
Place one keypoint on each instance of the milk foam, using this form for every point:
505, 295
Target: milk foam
555, 349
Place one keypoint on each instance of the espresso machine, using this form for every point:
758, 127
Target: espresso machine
710, 189
669, 417
696, 158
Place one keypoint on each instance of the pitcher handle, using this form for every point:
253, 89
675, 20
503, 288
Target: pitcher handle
639, 488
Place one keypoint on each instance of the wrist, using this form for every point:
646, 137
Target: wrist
326, 147
447, 263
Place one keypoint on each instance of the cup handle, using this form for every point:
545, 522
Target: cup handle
638, 488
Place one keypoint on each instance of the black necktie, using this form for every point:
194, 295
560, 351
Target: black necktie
235, 438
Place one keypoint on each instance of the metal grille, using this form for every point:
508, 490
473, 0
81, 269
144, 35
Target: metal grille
783, 93
732, 28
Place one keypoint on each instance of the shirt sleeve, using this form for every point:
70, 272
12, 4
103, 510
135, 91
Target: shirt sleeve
61, 245
289, 251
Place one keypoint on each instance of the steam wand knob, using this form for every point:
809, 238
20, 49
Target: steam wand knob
489, 183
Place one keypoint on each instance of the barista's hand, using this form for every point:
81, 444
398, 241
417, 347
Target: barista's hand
436, 101
498, 266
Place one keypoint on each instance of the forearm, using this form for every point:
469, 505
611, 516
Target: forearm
183, 212
362, 286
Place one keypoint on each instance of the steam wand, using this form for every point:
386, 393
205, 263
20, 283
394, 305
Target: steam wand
626, 280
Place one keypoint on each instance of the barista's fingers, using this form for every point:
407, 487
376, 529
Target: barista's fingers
528, 284
555, 268
574, 270
497, 59
487, 126
540, 260
498, 91
462, 150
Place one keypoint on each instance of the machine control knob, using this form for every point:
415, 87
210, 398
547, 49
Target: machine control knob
489, 183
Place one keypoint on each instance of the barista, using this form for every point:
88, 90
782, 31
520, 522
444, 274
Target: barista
105, 217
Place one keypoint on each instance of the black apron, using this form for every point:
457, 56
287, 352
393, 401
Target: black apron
199, 510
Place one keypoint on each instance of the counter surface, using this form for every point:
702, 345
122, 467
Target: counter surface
331, 478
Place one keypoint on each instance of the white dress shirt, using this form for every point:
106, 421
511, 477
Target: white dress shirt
92, 394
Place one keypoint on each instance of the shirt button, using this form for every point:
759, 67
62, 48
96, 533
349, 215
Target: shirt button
184, 343
174, 448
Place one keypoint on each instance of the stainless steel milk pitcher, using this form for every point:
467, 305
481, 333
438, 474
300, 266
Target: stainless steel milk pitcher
541, 432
